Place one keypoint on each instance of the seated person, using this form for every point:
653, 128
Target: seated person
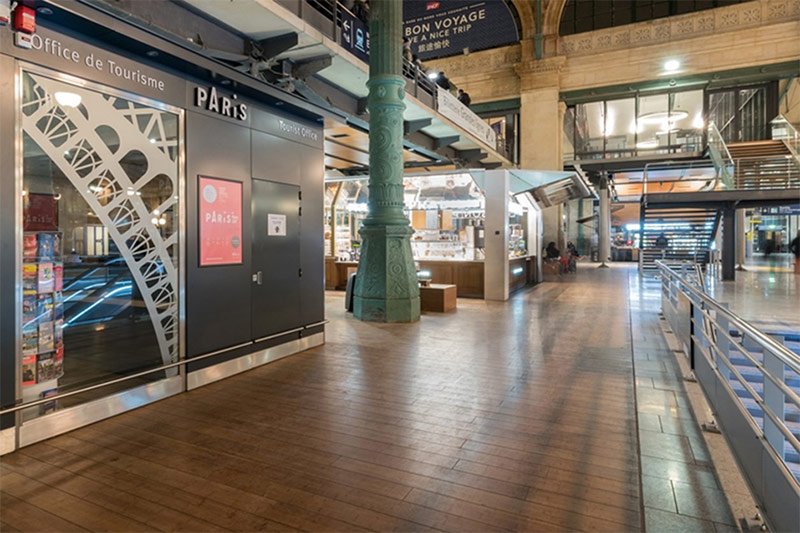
551, 252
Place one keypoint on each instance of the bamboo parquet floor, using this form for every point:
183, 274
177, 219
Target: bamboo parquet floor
499, 416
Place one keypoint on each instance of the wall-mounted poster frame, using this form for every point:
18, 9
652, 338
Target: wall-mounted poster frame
219, 221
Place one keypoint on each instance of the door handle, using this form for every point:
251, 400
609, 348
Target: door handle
257, 277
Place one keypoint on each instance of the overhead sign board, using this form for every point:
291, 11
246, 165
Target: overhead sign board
449, 27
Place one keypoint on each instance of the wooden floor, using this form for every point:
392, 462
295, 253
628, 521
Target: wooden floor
499, 416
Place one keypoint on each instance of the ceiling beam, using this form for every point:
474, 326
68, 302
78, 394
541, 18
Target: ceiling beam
272, 47
410, 126
441, 142
308, 67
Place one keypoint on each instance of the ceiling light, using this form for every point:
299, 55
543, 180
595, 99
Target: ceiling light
433, 75
652, 143
68, 99
152, 53
659, 117
672, 65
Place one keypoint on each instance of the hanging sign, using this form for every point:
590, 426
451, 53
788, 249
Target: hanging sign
220, 223
449, 27
355, 35
449, 106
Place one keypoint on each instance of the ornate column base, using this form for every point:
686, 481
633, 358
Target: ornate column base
387, 289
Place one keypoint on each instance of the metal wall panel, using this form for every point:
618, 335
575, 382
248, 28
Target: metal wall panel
217, 297
8, 231
312, 260
275, 258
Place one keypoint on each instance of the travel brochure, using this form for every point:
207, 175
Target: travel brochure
42, 312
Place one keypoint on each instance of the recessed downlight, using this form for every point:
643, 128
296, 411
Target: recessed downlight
672, 65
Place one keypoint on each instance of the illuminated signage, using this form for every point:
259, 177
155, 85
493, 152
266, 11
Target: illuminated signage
220, 221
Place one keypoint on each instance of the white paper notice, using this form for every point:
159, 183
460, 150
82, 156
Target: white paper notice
276, 225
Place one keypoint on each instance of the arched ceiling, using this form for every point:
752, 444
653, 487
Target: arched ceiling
551, 16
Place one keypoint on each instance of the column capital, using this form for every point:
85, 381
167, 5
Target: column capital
539, 74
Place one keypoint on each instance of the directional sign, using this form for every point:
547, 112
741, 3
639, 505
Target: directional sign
355, 35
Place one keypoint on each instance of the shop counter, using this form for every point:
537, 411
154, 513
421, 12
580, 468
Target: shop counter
467, 276
337, 272
521, 272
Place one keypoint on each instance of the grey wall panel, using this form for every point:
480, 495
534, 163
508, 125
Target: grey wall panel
275, 159
217, 297
282, 161
312, 288
8, 225
289, 127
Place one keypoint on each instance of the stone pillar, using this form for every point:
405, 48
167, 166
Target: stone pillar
541, 131
604, 225
386, 288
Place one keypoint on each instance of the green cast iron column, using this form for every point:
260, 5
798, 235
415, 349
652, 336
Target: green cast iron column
386, 288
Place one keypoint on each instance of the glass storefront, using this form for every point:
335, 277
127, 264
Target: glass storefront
637, 126
447, 213
100, 226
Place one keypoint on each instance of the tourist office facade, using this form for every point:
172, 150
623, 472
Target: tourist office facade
155, 209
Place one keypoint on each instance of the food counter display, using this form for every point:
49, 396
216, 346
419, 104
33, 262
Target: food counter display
448, 213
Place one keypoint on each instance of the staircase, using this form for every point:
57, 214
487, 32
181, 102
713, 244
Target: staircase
764, 165
688, 231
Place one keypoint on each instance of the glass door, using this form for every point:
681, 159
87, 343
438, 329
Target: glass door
100, 250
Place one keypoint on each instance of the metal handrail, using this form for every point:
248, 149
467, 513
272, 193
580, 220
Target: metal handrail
720, 155
704, 331
789, 358
791, 137
771, 172
664, 165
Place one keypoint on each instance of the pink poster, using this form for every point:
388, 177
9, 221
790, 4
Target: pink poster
220, 222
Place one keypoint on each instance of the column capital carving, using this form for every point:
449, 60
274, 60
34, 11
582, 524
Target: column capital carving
541, 73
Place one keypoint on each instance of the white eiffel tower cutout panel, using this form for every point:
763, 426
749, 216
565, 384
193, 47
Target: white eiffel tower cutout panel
77, 140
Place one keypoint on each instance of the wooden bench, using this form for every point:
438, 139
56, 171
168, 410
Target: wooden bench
437, 297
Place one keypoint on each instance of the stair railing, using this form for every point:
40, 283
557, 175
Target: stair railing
783, 130
753, 422
723, 162
767, 172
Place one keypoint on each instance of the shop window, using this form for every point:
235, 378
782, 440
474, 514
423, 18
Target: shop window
100, 229
686, 117
568, 146
653, 124
589, 127
620, 128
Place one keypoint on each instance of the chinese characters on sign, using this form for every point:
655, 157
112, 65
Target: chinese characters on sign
220, 221
449, 27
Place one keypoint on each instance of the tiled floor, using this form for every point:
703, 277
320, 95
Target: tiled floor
765, 295
679, 487
521, 416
